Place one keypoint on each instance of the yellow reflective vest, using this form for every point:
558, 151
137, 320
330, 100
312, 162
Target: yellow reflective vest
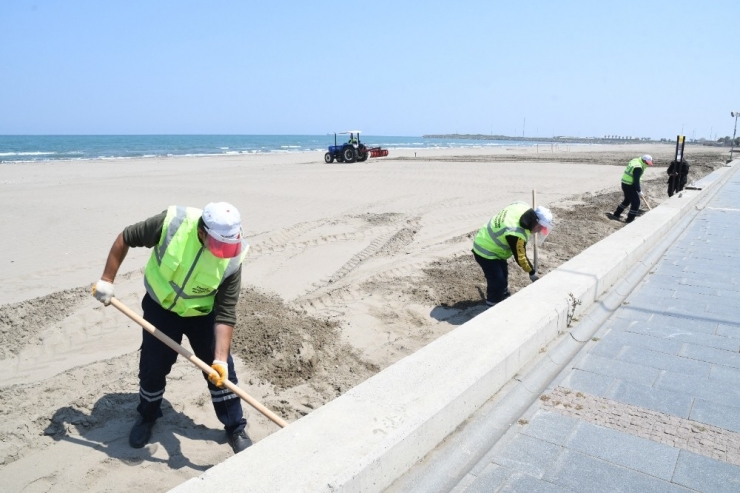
182, 275
490, 242
628, 176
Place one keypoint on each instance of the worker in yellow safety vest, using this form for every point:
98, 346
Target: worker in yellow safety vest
506, 235
631, 187
192, 282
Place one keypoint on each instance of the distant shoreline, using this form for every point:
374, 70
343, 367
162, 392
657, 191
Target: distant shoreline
561, 139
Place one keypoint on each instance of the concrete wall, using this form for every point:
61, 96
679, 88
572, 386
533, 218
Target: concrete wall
368, 437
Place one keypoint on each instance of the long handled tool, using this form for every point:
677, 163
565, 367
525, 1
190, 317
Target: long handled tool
534, 206
646, 202
196, 361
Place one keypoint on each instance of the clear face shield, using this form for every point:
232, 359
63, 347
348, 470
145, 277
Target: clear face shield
542, 234
222, 247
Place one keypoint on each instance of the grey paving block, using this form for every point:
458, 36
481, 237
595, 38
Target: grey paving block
725, 374
624, 449
528, 455
585, 474
705, 474
606, 349
650, 302
684, 309
521, 483
724, 313
707, 388
663, 361
491, 479
549, 427
686, 335
665, 401
711, 355
629, 313
691, 323
728, 330
635, 340
618, 369
712, 413
587, 382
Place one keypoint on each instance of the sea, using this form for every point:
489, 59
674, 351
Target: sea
35, 148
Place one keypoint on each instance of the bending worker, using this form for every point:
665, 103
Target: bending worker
192, 283
631, 187
506, 234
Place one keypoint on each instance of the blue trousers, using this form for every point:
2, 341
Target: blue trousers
496, 273
157, 358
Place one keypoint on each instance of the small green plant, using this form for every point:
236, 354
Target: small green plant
573, 302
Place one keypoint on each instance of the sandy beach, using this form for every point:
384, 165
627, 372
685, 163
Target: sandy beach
351, 268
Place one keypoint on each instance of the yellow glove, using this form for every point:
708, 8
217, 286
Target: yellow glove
223, 372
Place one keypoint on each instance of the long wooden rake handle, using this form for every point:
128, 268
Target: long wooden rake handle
196, 361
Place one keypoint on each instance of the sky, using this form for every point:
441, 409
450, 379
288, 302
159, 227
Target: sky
534, 68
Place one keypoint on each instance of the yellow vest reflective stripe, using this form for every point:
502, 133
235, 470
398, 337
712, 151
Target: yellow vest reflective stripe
182, 275
628, 176
490, 242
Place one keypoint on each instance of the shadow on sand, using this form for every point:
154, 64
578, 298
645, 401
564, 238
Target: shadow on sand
107, 427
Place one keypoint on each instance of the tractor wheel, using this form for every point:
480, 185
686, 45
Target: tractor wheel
363, 157
328, 157
349, 155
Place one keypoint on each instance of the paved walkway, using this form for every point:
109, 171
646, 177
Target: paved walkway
653, 403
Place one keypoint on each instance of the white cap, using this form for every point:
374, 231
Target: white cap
647, 158
544, 216
222, 220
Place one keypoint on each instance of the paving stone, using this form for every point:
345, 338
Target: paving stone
584, 474
491, 479
712, 413
618, 369
685, 335
711, 355
549, 427
707, 388
728, 330
630, 313
528, 455
587, 382
705, 474
662, 361
606, 349
674, 403
683, 322
725, 374
521, 483
637, 341
624, 449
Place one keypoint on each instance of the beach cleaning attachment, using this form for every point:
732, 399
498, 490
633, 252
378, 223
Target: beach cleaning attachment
196, 361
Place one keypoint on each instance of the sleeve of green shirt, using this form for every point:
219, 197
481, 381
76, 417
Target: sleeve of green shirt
147, 234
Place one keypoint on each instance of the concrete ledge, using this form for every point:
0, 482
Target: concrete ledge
368, 437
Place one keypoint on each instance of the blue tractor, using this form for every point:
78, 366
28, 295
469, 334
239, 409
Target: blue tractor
348, 152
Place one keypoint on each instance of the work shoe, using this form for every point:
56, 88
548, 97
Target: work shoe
613, 217
140, 433
239, 441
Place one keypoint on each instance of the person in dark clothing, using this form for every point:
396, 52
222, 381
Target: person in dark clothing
631, 187
192, 282
678, 175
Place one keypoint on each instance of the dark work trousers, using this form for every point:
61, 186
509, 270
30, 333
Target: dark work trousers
157, 358
631, 198
497, 277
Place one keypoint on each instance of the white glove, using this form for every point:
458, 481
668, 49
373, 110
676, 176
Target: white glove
533, 276
103, 291
641, 194
223, 373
